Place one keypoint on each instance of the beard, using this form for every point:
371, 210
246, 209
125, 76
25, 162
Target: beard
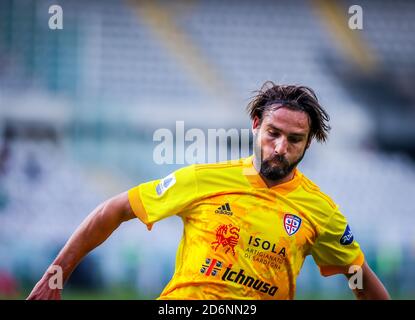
277, 167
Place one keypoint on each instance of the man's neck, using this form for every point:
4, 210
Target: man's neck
268, 182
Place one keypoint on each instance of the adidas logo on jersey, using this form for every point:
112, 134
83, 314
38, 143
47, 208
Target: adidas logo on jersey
224, 209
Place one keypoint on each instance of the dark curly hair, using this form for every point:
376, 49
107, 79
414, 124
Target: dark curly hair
302, 98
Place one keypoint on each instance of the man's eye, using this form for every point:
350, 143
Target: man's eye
294, 140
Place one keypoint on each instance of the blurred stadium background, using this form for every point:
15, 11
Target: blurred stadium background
79, 106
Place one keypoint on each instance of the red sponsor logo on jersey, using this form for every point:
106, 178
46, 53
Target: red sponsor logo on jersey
227, 236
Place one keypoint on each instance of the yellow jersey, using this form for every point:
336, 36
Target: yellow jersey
242, 239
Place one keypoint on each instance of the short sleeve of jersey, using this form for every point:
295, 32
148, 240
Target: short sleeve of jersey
158, 199
335, 249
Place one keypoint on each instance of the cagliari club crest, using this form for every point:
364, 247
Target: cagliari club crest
291, 223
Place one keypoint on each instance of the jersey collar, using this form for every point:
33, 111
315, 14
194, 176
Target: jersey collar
256, 180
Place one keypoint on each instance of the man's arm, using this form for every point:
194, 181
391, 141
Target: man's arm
93, 231
372, 288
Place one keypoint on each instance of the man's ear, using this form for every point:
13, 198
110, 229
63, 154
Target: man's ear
256, 124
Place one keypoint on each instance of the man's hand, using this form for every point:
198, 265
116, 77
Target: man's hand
43, 291
93, 231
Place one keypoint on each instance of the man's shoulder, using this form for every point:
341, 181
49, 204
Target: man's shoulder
218, 175
314, 191
216, 169
218, 166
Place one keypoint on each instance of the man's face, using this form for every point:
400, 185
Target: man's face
280, 141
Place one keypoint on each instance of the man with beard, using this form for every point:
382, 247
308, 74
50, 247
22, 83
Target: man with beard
248, 224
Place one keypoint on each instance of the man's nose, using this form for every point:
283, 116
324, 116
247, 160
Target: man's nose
281, 146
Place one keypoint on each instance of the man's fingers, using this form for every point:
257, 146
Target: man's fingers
42, 291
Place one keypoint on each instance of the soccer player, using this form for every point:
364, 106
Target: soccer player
248, 224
